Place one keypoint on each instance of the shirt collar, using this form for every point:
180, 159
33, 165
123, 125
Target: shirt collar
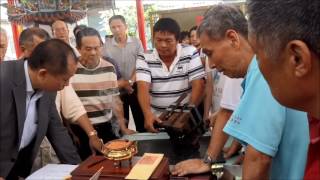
114, 42
129, 39
253, 64
157, 57
93, 69
38, 94
176, 59
28, 81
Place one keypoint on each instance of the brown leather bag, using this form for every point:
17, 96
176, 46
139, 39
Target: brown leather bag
172, 114
183, 123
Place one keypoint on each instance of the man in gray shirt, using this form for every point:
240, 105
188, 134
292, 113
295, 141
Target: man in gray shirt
124, 50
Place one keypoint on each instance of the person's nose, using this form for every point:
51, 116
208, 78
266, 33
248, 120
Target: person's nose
163, 44
116, 29
93, 52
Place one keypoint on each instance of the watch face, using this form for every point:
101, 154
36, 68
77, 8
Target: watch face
207, 159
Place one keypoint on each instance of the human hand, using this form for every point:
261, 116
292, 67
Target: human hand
239, 160
234, 148
129, 89
1, 178
95, 144
190, 166
125, 84
212, 119
149, 122
229, 152
76, 141
127, 131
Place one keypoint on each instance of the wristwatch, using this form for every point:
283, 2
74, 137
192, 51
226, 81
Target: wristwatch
208, 160
216, 166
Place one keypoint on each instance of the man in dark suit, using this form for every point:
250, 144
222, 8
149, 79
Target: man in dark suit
28, 111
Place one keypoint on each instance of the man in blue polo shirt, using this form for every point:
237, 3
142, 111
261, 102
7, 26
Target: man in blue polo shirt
289, 50
263, 125
276, 137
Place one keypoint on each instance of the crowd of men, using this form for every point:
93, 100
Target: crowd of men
258, 81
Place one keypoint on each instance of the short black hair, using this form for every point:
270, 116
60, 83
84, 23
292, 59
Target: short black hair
88, 31
183, 35
28, 34
193, 28
120, 17
167, 25
78, 28
52, 55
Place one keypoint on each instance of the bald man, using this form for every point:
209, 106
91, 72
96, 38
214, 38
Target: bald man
3, 44
60, 31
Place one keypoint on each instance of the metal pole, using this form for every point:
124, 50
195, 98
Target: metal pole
140, 17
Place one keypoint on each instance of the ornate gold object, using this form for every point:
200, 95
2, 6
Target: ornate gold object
120, 149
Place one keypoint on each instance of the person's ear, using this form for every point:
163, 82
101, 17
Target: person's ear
299, 57
42, 74
22, 48
233, 38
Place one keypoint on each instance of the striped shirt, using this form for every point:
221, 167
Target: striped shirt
168, 84
95, 88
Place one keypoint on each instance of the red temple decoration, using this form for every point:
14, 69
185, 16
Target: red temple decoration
47, 11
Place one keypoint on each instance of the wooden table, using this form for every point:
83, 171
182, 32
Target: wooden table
110, 172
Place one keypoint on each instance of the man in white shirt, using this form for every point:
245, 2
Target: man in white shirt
164, 75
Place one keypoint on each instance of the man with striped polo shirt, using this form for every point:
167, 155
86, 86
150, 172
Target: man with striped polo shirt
164, 75
95, 82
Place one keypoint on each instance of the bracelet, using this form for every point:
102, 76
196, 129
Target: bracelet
92, 133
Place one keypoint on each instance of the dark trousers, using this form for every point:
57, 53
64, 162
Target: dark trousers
104, 131
132, 101
23, 163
